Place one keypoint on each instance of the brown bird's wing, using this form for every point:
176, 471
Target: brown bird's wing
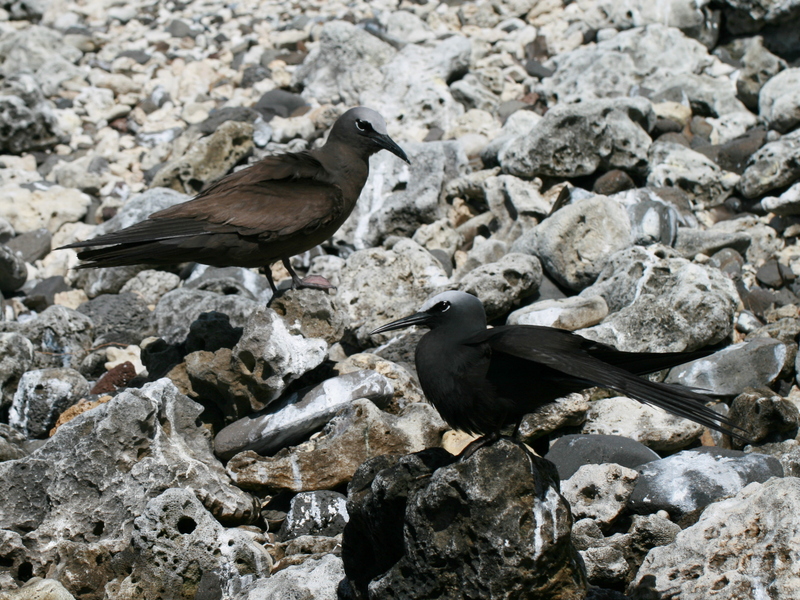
570, 354
274, 198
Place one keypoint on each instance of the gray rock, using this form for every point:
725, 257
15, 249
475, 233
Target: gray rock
599, 492
472, 93
271, 357
292, 419
12, 444
178, 544
573, 140
695, 19
139, 207
27, 121
230, 281
788, 203
439, 236
775, 165
575, 242
346, 62
36, 588
605, 565
674, 165
779, 100
41, 51
16, 356
713, 556
150, 285
315, 513
13, 272
643, 56
653, 427
316, 578
690, 242
760, 65
178, 309
766, 417
714, 96
570, 452
517, 204
32, 245
569, 411
693, 479
61, 337
754, 363
132, 448
787, 452
397, 200
106, 280
653, 221
42, 395
502, 284
207, 159
566, 313
661, 303
483, 251
119, 318
499, 498
357, 433
313, 313
379, 285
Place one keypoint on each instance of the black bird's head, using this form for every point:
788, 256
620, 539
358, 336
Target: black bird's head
456, 310
365, 129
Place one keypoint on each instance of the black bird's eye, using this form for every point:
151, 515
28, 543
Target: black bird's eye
440, 307
363, 126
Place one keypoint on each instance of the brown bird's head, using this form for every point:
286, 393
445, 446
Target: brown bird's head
364, 129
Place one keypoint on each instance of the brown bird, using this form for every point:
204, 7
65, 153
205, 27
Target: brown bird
278, 207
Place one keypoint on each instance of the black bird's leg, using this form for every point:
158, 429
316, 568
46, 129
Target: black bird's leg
315, 282
268, 273
475, 445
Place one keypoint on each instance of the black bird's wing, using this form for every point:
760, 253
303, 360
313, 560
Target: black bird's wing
584, 360
268, 202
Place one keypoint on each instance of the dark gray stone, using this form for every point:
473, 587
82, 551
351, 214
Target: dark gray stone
693, 479
42, 395
32, 245
119, 318
315, 513
765, 417
570, 452
13, 272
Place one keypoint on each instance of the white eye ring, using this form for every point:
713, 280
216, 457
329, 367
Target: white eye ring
361, 125
446, 306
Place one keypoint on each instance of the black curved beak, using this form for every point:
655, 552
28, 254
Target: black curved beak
420, 318
384, 141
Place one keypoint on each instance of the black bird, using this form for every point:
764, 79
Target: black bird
278, 207
482, 380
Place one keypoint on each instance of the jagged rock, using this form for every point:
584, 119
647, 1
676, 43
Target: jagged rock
406, 387
316, 578
13, 272
42, 395
357, 433
395, 546
580, 139
293, 418
135, 447
774, 166
39, 589
599, 492
569, 411
119, 318
764, 416
500, 285
760, 65
722, 553
754, 363
315, 513
230, 280
779, 100
570, 452
661, 303
378, 285
575, 242
315, 313
178, 546
150, 285
61, 337
565, 313
653, 427
692, 479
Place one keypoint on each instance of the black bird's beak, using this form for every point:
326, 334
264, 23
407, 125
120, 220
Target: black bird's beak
384, 141
420, 318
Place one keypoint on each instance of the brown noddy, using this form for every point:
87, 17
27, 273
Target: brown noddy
482, 380
278, 207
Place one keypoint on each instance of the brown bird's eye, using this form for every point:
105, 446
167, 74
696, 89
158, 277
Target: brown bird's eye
362, 125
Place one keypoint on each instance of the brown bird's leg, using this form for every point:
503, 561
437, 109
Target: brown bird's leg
314, 282
268, 273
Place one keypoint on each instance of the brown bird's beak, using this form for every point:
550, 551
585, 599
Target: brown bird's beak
384, 141
420, 318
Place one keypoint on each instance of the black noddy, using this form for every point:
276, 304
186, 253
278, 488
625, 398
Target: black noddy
482, 380
281, 206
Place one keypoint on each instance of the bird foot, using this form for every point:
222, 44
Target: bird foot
314, 282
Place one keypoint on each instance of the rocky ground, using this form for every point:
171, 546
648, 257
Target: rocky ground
627, 170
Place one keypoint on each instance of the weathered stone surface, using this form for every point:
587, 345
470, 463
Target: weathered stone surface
575, 242
135, 447
765, 417
570, 452
119, 318
723, 553
321, 513
599, 492
395, 547
61, 337
569, 411
779, 101
406, 387
357, 433
500, 285
42, 395
13, 273
291, 419
580, 139
16, 356
653, 427
774, 166
316, 578
315, 313
566, 313
661, 303
693, 479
